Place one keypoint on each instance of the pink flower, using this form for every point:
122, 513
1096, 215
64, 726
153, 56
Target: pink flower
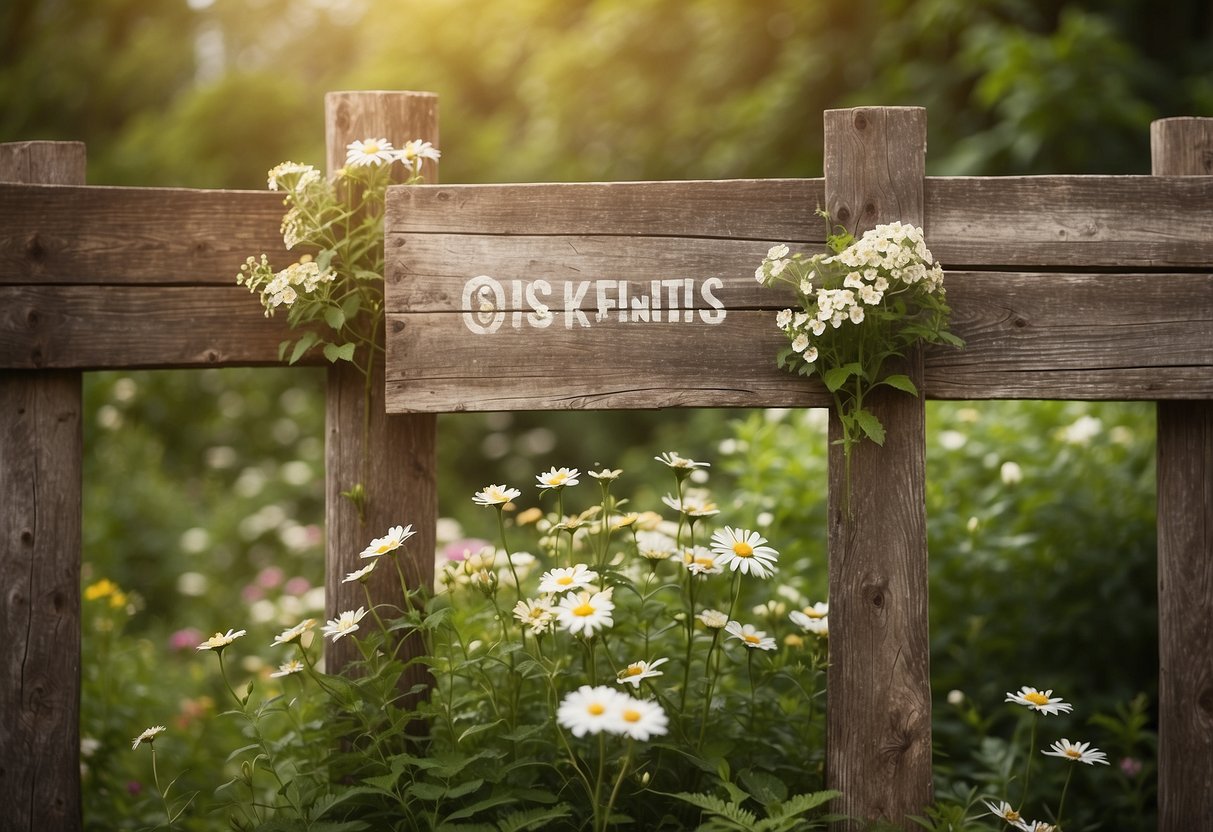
297, 585
252, 593
270, 577
461, 550
185, 639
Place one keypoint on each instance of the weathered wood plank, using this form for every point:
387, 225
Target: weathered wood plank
1125, 223
1045, 336
62, 234
1107, 222
737, 208
1184, 146
878, 719
41, 457
129, 327
394, 457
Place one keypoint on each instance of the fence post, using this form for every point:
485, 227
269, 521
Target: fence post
1184, 147
400, 475
41, 451
878, 732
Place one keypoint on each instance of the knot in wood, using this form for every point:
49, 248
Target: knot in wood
861, 120
1205, 702
34, 248
844, 215
874, 593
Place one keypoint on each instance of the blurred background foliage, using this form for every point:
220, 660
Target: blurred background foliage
204, 487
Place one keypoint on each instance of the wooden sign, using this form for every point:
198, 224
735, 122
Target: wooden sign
642, 295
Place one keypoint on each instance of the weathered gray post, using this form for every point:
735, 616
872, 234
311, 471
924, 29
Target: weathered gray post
1184, 147
398, 464
878, 734
41, 448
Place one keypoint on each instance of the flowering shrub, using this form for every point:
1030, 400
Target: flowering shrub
621, 667
870, 301
337, 283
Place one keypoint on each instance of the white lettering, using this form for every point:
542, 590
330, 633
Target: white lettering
483, 299
716, 316
572, 304
541, 317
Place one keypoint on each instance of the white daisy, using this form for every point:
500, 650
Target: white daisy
1079, 752
148, 736
496, 495
390, 542
584, 612
558, 477
562, 578
289, 635
701, 561
415, 151
293, 666
673, 460
1038, 701
589, 710
637, 672
745, 550
369, 152
713, 619
606, 474
692, 505
653, 545
1003, 810
1035, 826
220, 640
535, 614
344, 624
639, 719
749, 636
819, 625
362, 574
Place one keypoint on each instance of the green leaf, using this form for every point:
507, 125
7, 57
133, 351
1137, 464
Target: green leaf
870, 425
835, 377
304, 344
282, 348
335, 353
334, 317
351, 306
765, 788
480, 805
427, 791
479, 728
901, 382
532, 818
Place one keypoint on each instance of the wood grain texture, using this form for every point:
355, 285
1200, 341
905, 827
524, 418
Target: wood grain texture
129, 327
878, 723
134, 235
41, 456
395, 460
1046, 336
1182, 147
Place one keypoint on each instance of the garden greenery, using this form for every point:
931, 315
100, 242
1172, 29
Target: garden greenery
870, 301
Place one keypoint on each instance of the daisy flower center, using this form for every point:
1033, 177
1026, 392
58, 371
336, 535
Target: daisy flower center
633, 671
370, 148
1010, 814
630, 715
584, 610
557, 479
596, 709
1073, 753
743, 549
1036, 698
751, 638
564, 580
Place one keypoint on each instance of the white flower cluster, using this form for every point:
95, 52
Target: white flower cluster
888, 259
282, 288
380, 151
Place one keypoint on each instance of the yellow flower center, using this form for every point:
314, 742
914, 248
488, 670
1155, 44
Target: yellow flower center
558, 478
1010, 815
812, 613
384, 548
584, 610
1036, 698
630, 715
596, 709
633, 670
370, 148
1073, 753
564, 580
743, 550
705, 561
750, 638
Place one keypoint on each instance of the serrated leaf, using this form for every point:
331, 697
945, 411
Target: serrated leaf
870, 425
532, 818
765, 788
427, 791
335, 353
480, 805
901, 382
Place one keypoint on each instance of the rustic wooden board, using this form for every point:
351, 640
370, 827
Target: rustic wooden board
782, 209
65, 234
1048, 336
104, 327
1127, 223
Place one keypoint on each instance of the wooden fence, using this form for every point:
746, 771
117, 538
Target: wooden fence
1063, 287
